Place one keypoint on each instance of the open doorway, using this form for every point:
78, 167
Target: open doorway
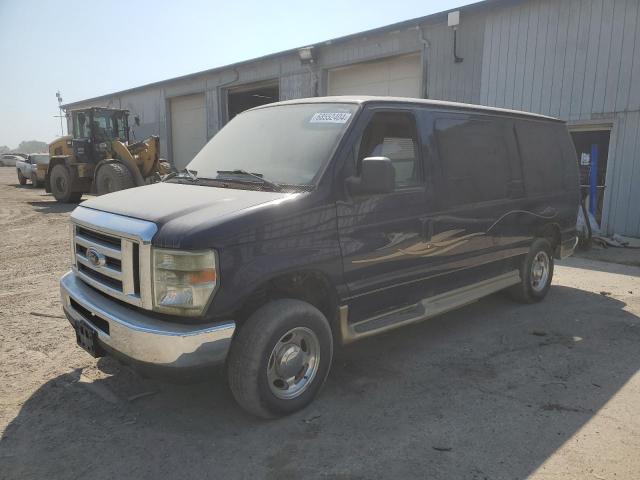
243, 98
592, 147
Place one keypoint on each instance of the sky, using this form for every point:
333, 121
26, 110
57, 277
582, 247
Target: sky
89, 48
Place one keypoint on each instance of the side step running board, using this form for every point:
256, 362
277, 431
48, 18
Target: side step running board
427, 308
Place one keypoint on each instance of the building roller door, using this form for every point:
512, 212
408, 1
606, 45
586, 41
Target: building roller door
397, 76
188, 128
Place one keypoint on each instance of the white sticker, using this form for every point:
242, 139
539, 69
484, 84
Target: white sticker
329, 117
585, 159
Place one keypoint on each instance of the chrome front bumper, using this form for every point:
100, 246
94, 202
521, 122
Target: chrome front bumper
140, 337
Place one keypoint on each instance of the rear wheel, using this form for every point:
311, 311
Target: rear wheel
21, 178
60, 180
280, 358
34, 181
536, 273
112, 177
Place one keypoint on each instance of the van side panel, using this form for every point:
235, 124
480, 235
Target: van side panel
550, 171
478, 229
495, 182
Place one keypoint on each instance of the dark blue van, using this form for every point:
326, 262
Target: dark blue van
314, 222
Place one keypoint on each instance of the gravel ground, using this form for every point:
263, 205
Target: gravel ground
496, 390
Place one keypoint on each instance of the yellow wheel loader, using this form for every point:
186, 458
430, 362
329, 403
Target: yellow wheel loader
98, 158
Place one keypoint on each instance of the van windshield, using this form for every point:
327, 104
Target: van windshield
286, 144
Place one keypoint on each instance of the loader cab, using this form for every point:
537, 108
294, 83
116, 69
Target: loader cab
94, 129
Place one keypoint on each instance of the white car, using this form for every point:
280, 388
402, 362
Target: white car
33, 168
9, 159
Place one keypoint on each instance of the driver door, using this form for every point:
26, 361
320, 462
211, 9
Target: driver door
382, 236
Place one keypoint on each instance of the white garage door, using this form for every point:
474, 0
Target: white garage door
188, 128
397, 76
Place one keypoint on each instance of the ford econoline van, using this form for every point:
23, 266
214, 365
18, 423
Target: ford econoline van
311, 223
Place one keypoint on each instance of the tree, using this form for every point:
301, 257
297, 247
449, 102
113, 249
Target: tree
4, 149
32, 146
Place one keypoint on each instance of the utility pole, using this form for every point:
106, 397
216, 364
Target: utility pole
59, 97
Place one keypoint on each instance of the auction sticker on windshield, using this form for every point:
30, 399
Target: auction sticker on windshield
330, 117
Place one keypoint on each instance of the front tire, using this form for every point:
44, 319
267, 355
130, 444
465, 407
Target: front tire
60, 180
112, 177
21, 178
280, 358
536, 273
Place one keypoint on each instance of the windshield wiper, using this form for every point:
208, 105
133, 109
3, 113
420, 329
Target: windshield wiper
192, 174
259, 176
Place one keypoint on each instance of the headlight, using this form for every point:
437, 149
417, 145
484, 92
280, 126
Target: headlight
183, 282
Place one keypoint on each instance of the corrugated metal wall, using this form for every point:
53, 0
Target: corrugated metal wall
447, 80
569, 58
622, 197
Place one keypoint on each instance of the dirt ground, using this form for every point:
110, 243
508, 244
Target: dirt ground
623, 256
496, 390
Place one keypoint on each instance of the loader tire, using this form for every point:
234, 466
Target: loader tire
60, 180
112, 177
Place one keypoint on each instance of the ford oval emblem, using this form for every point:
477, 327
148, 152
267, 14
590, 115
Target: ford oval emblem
95, 257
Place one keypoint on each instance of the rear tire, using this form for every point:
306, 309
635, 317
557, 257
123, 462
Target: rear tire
60, 180
112, 177
21, 178
536, 273
280, 358
34, 181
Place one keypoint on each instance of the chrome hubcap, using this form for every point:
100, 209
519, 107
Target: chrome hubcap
540, 271
293, 363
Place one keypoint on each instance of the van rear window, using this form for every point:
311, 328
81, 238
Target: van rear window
475, 158
541, 154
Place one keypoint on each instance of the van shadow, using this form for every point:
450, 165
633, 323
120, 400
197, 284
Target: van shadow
488, 391
621, 261
52, 206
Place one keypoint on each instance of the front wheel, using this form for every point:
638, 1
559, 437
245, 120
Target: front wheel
536, 273
60, 180
112, 177
280, 358
21, 178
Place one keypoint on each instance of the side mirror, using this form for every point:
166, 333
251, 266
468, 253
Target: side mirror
377, 176
136, 120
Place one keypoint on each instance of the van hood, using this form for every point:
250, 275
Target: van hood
180, 208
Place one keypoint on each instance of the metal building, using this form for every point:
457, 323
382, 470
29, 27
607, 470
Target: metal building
574, 59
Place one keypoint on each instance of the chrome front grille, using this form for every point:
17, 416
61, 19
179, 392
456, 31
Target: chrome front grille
117, 253
112, 253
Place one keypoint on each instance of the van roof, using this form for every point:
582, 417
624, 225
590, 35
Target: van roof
362, 99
